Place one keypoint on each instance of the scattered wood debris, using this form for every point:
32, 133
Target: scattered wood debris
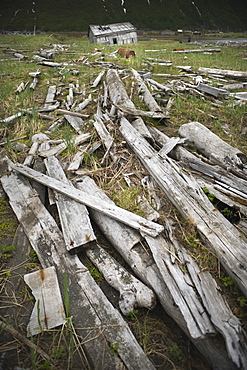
164, 270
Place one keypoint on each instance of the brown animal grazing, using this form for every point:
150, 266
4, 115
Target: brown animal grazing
126, 53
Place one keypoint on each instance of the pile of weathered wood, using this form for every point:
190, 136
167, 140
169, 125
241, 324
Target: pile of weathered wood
163, 270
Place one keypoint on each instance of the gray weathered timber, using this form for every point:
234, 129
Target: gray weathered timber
71, 113
98, 79
50, 97
128, 243
83, 104
77, 159
180, 286
97, 322
21, 87
48, 311
75, 122
75, 222
222, 317
122, 215
235, 86
210, 145
104, 135
148, 98
37, 139
211, 90
120, 99
133, 293
79, 139
224, 72
183, 191
205, 50
205, 305
227, 184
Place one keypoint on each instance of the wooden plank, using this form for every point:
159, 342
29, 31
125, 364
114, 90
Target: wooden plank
37, 139
48, 311
128, 218
183, 191
148, 98
78, 139
211, 90
75, 122
200, 291
75, 223
98, 324
98, 79
128, 243
180, 287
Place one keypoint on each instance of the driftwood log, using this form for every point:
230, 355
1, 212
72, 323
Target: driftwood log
223, 72
130, 245
183, 191
120, 99
210, 145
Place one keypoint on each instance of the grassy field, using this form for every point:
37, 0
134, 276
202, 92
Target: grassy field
161, 338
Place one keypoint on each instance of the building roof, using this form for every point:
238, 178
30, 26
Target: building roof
100, 30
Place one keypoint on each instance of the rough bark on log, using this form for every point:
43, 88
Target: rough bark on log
192, 203
97, 323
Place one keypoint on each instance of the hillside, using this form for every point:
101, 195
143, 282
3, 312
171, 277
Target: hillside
75, 15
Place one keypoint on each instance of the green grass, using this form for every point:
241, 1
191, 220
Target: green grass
186, 107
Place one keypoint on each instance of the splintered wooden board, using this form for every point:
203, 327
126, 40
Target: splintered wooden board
48, 310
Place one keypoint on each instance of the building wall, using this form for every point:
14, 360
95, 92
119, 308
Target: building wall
114, 39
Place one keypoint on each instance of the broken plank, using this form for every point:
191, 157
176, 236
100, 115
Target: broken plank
75, 223
48, 311
120, 99
211, 90
129, 218
78, 139
98, 324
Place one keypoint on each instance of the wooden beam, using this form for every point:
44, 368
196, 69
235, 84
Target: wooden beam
129, 218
